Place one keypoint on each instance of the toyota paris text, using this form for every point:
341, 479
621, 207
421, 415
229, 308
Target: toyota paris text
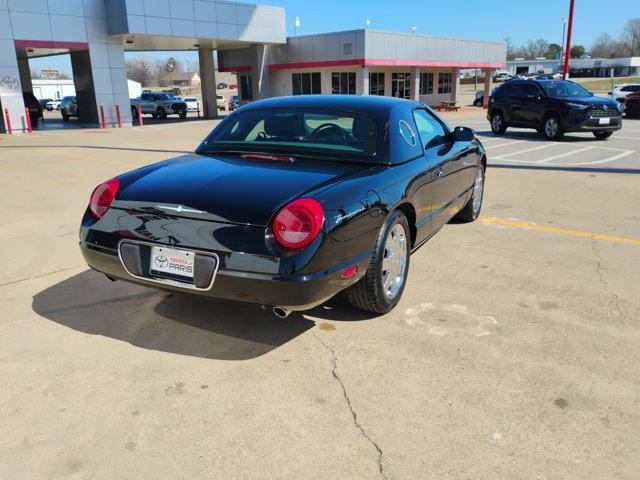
290, 201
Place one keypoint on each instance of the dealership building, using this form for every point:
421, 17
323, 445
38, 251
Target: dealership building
578, 67
249, 40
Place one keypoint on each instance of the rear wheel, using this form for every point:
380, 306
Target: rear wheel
633, 109
552, 128
473, 206
602, 135
498, 127
134, 112
65, 117
381, 288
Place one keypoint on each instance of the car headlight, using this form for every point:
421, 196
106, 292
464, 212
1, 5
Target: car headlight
577, 106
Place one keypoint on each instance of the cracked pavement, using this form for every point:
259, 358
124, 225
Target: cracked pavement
512, 355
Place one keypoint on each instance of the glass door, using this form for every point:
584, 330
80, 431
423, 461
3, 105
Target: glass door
401, 85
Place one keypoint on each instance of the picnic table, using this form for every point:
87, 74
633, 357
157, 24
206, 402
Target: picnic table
448, 106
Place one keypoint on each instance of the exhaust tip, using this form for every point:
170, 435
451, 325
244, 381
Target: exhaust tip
281, 312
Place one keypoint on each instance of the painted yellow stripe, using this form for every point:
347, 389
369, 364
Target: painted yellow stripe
66, 154
562, 231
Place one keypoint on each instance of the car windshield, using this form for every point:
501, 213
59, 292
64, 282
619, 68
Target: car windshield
564, 89
305, 131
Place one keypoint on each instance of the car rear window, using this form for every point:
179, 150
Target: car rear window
291, 130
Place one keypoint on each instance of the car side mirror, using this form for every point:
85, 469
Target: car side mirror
462, 134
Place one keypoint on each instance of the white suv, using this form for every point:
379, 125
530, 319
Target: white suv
620, 92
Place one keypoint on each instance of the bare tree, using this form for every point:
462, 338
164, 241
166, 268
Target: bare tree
537, 48
139, 69
510, 48
630, 37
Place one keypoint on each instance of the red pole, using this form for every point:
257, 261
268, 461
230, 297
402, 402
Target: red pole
140, 114
206, 110
198, 106
567, 51
104, 125
6, 115
29, 127
118, 116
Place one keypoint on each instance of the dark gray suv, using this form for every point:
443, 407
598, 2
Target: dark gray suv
552, 107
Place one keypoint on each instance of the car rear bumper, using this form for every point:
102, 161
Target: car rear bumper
292, 292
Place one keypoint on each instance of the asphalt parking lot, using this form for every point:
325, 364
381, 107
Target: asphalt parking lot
512, 355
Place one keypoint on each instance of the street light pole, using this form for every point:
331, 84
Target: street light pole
564, 29
567, 52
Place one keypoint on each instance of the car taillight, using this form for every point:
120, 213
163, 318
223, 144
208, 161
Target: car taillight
102, 197
298, 223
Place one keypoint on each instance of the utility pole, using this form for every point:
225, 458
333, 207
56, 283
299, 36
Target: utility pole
564, 28
567, 52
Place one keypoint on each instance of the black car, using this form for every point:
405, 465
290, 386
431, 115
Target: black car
35, 109
552, 107
290, 201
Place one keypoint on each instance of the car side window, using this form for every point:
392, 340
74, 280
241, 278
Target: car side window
529, 90
501, 93
431, 131
144, 96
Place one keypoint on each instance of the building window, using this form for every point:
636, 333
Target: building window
306, 83
346, 48
343, 82
444, 83
376, 83
246, 90
426, 83
401, 85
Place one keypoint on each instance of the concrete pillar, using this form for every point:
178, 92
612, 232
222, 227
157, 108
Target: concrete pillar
415, 84
208, 82
488, 83
25, 72
365, 81
85, 89
261, 73
10, 86
455, 91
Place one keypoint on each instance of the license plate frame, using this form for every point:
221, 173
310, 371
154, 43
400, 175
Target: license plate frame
172, 261
604, 121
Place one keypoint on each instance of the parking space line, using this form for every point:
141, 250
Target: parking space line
503, 144
562, 155
547, 145
575, 233
622, 154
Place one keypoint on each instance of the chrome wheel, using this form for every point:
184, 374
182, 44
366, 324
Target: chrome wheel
394, 262
496, 122
478, 188
551, 127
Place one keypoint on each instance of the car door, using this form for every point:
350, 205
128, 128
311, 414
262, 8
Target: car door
532, 109
516, 101
144, 102
448, 162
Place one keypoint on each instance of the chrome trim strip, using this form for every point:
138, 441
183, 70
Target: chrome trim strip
167, 281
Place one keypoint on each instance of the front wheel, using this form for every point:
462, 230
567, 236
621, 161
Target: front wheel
161, 114
472, 208
182, 115
65, 117
602, 135
552, 128
498, 127
381, 288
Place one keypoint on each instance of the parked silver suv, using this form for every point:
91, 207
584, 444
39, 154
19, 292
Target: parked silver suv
159, 105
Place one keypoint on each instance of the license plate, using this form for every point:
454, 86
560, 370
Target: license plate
172, 261
604, 121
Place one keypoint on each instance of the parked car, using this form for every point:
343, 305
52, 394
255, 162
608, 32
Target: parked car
176, 92
222, 86
632, 105
502, 77
221, 102
35, 109
53, 105
68, 108
233, 103
233, 87
620, 92
192, 104
43, 101
290, 201
552, 107
158, 105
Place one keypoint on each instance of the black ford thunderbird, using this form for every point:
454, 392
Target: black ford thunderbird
290, 201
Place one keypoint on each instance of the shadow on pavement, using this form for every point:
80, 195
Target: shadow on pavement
533, 136
156, 320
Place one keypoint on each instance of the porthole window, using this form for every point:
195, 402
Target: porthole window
407, 133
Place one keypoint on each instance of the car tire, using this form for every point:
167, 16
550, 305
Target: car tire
498, 126
552, 128
161, 114
471, 210
375, 291
182, 115
633, 110
134, 112
65, 117
602, 135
